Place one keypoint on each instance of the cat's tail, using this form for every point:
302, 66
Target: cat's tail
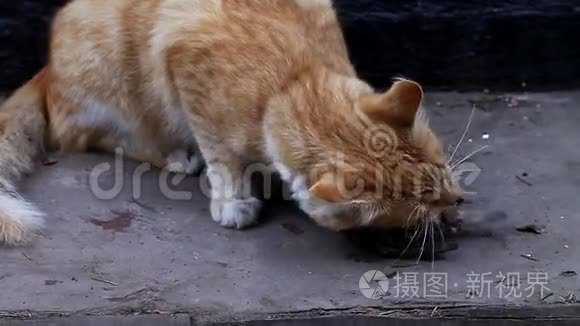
23, 125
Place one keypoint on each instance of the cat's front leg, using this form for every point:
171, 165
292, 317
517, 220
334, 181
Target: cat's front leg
232, 202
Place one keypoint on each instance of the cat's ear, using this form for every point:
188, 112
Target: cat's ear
327, 189
397, 107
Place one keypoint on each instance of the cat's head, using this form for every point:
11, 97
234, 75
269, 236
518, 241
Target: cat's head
398, 176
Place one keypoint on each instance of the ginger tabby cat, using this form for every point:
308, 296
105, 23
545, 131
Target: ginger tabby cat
229, 82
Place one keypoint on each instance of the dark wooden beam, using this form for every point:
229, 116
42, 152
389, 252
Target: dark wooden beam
465, 44
456, 44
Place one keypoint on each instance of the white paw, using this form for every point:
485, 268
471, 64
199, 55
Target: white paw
236, 213
179, 162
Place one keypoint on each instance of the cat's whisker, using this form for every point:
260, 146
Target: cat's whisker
469, 121
431, 222
482, 148
408, 222
467, 170
441, 233
410, 242
423, 245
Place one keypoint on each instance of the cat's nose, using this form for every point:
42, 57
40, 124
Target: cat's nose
460, 201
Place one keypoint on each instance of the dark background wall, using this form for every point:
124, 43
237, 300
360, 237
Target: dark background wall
478, 43
24, 28
456, 44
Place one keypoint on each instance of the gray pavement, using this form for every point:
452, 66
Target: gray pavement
160, 256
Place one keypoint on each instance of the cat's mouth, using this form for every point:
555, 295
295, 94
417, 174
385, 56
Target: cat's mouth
429, 240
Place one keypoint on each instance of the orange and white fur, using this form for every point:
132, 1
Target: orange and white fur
229, 82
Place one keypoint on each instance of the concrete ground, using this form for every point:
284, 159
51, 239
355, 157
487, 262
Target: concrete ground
154, 255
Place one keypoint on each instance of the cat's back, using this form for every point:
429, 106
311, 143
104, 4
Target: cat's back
236, 23
123, 48
97, 44
228, 48
126, 36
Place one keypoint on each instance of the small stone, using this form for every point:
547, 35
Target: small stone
529, 256
569, 273
566, 246
470, 140
49, 161
485, 136
531, 228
